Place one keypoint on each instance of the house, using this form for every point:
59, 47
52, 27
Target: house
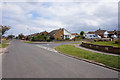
91, 36
44, 33
60, 34
118, 34
112, 34
74, 35
102, 33
41, 33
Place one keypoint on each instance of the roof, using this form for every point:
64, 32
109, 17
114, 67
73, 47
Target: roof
111, 32
118, 32
74, 33
99, 31
44, 32
54, 32
90, 32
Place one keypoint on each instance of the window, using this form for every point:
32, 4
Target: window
93, 35
105, 35
61, 36
67, 36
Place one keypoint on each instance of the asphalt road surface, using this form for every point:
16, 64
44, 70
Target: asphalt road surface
32, 61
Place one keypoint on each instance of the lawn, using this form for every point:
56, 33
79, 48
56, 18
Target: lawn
108, 60
65, 41
29, 41
4, 43
109, 43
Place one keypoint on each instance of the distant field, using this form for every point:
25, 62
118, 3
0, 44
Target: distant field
109, 43
108, 60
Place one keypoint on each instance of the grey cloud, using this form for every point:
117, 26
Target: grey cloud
70, 15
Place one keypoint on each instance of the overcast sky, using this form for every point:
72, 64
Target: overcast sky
24, 17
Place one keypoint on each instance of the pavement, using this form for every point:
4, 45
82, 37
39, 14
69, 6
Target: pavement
25, 60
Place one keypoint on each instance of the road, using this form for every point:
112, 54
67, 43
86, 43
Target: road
31, 61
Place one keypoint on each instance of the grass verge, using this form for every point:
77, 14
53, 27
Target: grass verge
65, 41
4, 43
29, 41
109, 43
108, 60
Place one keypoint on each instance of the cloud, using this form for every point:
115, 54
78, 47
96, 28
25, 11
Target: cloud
74, 16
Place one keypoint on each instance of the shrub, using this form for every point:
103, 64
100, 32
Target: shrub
117, 42
52, 37
57, 38
95, 40
67, 38
83, 37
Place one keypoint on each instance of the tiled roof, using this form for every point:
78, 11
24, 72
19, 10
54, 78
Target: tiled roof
74, 33
100, 31
91, 32
54, 32
111, 32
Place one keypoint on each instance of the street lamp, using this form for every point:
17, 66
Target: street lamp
30, 33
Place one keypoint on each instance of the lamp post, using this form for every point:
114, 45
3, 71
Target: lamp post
1, 35
30, 33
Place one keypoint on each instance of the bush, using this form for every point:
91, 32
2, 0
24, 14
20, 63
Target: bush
48, 40
83, 37
52, 37
57, 38
39, 38
117, 42
67, 39
95, 40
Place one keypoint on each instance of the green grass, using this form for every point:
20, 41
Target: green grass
29, 41
77, 42
108, 60
109, 43
3, 45
65, 41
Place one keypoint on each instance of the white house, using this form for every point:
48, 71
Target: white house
60, 34
91, 36
67, 34
74, 35
102, 33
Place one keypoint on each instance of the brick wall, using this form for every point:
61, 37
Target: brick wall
110, 49
58, 34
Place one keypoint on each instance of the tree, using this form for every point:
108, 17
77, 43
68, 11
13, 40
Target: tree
3, 29
10, 36
21, 36
81, 33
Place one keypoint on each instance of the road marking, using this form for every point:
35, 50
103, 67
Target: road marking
47, 48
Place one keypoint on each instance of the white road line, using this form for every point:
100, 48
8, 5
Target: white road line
47, 48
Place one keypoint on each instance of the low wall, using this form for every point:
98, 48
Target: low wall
110, 49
